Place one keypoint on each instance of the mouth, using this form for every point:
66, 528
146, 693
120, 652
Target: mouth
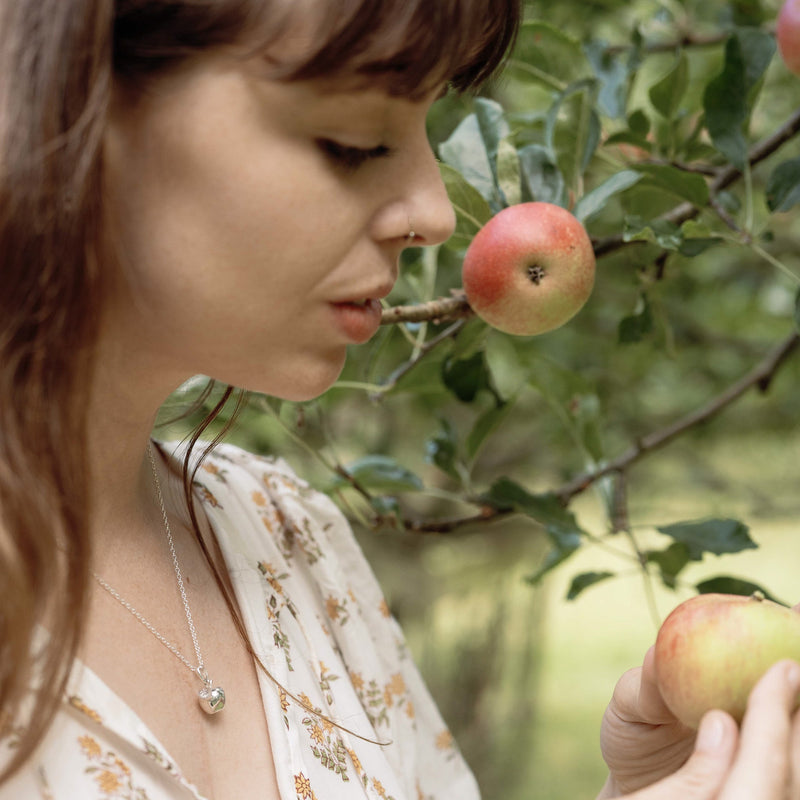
358, 319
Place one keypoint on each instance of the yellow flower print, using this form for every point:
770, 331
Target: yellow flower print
356, 761
332, 608
327, 725
108, 782
208, 497
378, 787
284, 701
388, 700
258, 498
79, 705
211, 469
357, 680
410, 712
397, 684
384, 609
302, 786
444, 741
122, 767
317, 734
90, 746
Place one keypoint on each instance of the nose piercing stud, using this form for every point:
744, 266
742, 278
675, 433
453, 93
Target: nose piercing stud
410, 236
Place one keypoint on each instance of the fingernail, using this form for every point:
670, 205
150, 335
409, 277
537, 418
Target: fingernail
711, 733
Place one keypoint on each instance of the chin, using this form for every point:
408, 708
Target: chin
304, 382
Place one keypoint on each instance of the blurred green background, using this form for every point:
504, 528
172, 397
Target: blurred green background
522, 674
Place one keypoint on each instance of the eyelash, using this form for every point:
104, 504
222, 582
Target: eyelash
351, 158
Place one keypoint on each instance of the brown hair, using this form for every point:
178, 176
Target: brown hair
58, 61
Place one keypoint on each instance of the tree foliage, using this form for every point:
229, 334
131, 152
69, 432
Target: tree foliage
670, 129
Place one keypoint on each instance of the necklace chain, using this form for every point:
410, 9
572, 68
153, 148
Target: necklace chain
209, 696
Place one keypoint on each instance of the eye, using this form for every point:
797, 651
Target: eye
350, 158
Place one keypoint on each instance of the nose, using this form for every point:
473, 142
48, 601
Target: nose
429, 207
418, 202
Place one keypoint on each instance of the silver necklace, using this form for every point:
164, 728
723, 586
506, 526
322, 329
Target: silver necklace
210, 697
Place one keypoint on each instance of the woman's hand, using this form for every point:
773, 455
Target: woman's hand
644, 745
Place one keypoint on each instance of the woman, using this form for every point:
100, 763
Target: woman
223, 187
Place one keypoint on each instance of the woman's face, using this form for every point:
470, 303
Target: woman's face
252, 219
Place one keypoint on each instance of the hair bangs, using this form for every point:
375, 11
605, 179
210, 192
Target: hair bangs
407, 46
412, 46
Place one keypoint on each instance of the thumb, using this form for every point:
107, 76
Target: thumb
703, 775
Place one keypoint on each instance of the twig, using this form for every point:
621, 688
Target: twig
442, 309
759, 377
404, 369
687, 40
724, 178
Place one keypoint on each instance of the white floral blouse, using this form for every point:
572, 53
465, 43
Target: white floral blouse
317, 618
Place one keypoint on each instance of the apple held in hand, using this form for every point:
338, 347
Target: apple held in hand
529, 269
787, 32
712, 649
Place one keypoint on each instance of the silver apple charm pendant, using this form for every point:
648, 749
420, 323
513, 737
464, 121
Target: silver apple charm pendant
211, 698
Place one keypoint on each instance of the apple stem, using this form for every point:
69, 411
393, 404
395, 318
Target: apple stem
536, 273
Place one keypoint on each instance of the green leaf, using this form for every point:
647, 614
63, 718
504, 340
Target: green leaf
494, 129
547, 56
783, 186
725, 584
664, 233
573, 129
584, 581
484, 425
594, 201
554, 558
639, 123
717, 536
797, 311
587, 419
504, 363
725, 104
669, 561
758, 47
442, 448
557, 383
613, 74
666, 95
381, 473
686, 185
508, 173
465, 377
546, 509
541, 178
635, 327
472, 210
729, 97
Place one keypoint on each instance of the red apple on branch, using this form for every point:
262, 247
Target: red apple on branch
787, 32
712, 649
529, 269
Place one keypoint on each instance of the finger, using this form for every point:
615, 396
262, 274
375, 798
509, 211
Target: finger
762, 767
652, 707
794, 792
702, 776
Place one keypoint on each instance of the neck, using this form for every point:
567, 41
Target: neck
124, 402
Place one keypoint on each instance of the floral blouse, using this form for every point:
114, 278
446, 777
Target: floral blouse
318, 620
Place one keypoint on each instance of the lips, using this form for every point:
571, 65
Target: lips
358, 319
